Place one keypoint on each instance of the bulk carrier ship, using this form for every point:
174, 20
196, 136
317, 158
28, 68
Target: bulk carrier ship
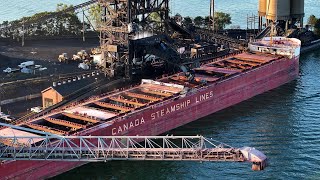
155, 107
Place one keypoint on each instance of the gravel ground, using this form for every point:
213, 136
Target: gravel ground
44, 53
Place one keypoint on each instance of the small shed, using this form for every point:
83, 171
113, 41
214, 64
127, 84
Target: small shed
61, 91
50, 96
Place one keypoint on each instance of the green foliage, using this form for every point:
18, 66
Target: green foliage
5, 23
34, 17
178, 15
187, 21
221, 20
317, 27
207, 21
95, 12
65, 23
61, 7
198, 21
154, 17
312, 20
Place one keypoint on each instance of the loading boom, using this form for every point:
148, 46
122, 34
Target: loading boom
107, 148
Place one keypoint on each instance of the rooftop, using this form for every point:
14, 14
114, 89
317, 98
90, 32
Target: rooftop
75, 84
277, 42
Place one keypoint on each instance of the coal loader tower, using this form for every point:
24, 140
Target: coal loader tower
122, 21
139, 35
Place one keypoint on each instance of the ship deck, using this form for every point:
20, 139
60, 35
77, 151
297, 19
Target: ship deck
277, 42
96, 110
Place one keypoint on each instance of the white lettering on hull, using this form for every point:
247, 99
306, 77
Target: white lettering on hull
204, 97
162, 112
170, 109
127, 126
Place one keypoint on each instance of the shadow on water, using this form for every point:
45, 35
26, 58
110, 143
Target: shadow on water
249, 123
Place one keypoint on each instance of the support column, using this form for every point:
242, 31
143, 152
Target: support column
83, 28
212, 14
22, 35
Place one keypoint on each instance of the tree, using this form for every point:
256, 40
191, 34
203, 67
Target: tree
62, 7
5, 23
312, 20
178, 18
317, 27
221, 20
207, 21
198, 21
68, 21
178, 15
95, 12
187, 21
155, 18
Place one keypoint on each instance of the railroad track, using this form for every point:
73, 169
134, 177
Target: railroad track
60, 76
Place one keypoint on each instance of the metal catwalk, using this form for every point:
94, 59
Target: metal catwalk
106, 148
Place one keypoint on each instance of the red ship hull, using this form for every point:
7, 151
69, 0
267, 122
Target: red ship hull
171, 113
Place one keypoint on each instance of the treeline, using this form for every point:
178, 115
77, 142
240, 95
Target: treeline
221, 20
314, 23
66, 23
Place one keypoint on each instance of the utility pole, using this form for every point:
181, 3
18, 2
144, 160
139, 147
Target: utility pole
212, 14
1, 96
83, 28
23, 34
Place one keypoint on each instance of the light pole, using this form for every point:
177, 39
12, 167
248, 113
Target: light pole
1, 96
212, 15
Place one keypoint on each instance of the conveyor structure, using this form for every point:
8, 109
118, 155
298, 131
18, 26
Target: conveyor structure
48, 147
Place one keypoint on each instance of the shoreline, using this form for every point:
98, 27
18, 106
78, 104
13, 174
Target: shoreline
309, 48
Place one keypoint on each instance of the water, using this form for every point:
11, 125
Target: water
283, 123
239, 10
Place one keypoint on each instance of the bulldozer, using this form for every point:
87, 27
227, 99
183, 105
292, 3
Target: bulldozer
95, 51
63, 57
81, 55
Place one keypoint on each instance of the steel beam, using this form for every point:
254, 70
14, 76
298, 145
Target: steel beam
143, 96
238, 62
81, 117
106, 148
156, 92
114, 106
129, 102
47, 129
73, 125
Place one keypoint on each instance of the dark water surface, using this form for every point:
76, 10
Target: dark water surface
238, 9
283, 123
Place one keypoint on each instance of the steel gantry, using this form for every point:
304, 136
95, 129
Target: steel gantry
107, 148
121, 19
49, 147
